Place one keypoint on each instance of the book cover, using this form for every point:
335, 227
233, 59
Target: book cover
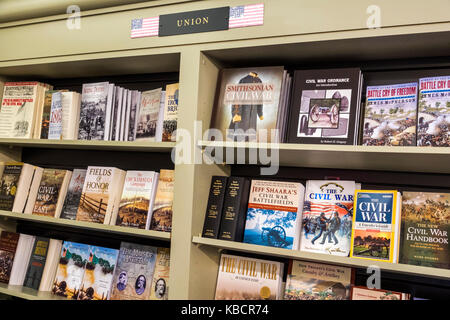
98, 274
70, 206
8, 245
327, 217
148, 115
247, 103
46, 110
324, 107
137, 199
274, 213
56, 124
8, 185
93, 111
317, 281
162, 209
390, 115
170, 112
134, 113
134, 272
374, 231
425, 229
37, 263
364, 293
214, 207
70, 271
48, 192
160, 283
242, 278
433, 121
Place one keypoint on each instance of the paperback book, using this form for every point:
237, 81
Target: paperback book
8, 185
56, 125
364, 293
70, 206
161, 219
37, 263
148, 115
93, 111
160, 283
8, 246
170, 113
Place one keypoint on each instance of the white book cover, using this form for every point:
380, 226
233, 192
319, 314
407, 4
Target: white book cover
69, 114
131, 93
56, 123
123, 112
148, 115
118, 114
94, 98
109, 108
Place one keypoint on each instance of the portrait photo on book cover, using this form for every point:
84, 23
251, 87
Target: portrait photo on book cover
160, 288
122, 282
140, 284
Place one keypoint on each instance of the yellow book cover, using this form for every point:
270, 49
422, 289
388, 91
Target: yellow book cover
162, 209
160, 282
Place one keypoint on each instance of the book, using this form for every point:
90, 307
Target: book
46, 110
56, 125
51, 192
51, 265
37, 262
159, 124
214, 207
100, 195
70, 271
274, 214
161, 219
21, 259
170, 112
325, 106
433, 120
425, 229
243, 278
134, 114
160, 283
376, 225
8, 185
234, 209
364, 293
115, 113
390, 115
327, 217
148, 115
93, 111
70, 117
317, 281
72, 200
109, 111
123, 112
8, 246
134, 272
98, 274
247, 103
136, 202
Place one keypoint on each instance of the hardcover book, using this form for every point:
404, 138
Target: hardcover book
327, 217
274, 214
93, 111
8, 245
8, 185
376, 225
425, 229
162, 209
247, 103
214, 207
160, 283
37, 263
134, 272
56, 125
325, 106
148, 115
242, 278
98, 274
364, 293
390, 115
170, 112
433, 125
70, 206
317, 281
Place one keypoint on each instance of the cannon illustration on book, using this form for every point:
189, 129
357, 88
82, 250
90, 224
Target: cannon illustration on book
275, 236
316, 110
375, 249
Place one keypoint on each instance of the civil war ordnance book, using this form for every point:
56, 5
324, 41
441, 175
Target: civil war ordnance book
234, 209
425, 229
161, 219
214, 207
325, 106
93, 111
317, 281
433, 120
148, 115
170, 112
8, 246
274, 213
134, 272
243, 278
390, 115
70, 206
37, 263
247, 103
376, 225
160, 283
327, 217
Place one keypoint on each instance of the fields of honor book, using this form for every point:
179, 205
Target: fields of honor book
325, 106
376, 225
21, 259
242, 278
36, 263
364, 293
170, 112
274, 214
8, 246
72, 200
149, 113
390, 115
327, 217
161, 219
317, 281
425, 229
160, 283
434, 112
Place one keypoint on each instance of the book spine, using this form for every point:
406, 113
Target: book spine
214, 207
234, 209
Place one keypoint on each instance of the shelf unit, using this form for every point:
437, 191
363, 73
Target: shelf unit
294, 34
27, 293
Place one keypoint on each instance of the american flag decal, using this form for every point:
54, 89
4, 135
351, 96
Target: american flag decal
246, 16
146, 27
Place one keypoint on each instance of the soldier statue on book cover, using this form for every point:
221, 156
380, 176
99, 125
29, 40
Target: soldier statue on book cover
333, 226
322, 224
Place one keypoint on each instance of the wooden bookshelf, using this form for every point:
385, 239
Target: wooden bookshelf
27, 293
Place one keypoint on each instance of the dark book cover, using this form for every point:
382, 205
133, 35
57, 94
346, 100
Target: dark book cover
37, 263
234, 209
214, 207
8, 186
8, 246
324, 106
70, 207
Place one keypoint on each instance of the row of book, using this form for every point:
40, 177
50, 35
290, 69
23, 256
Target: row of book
244, 278
332, 217
324, 106
84, 272
107, 195
103, 111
